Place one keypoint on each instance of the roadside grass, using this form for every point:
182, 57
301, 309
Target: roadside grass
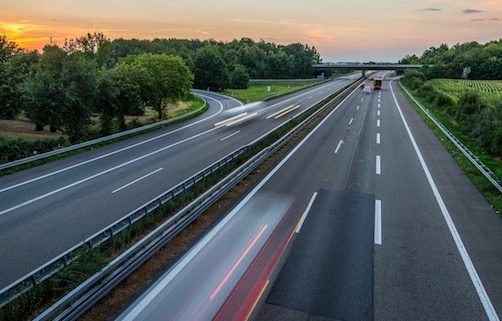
22, 128
259, 90
493, 196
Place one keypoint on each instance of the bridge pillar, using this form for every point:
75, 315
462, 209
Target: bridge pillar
364, 73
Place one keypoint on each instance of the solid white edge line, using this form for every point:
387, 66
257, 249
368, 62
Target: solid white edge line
480, 289
378, 222
116, 151
378, 165
137, 180
304, 216
103, 172
200, 245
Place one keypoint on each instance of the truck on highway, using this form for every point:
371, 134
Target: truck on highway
377, 83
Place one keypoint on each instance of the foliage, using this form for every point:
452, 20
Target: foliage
14, 66
487, 128
119, 92
62, 86
261, 59
168, 79
210, 70
467, 60
474, 105
16, 149
45, 91
62, 92
239, 77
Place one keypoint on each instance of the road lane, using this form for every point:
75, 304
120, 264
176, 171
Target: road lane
374, 246
267, 204
419, 273
436, 267
40, 230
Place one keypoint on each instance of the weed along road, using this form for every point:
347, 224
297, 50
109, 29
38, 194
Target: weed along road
366, 218
46, 210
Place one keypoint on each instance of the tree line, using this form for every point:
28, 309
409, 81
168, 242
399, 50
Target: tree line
65, 85
479, 120
469, 60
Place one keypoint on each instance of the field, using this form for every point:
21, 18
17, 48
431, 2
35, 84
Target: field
489, 90
259, 90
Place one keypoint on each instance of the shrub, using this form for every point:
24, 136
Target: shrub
442, 101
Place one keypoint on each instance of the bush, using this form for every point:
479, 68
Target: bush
487, 129
414, 79
469, 103
442, 101
17, 149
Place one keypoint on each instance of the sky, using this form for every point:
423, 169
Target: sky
351, 30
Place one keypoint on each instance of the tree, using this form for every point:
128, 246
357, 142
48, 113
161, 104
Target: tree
11, 78
168, 79
119, 94
79, 85
45, 90
62, 92
210, 70
303, 59
239, 78
280, 65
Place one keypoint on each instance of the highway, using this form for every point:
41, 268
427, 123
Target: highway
366, 218
396, 232
48, 209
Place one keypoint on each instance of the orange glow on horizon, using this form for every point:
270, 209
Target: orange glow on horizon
340, 31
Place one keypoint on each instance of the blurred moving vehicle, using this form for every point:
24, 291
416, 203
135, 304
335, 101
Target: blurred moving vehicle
377, 83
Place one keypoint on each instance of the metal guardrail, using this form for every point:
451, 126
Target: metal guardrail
173, 225
96, 141
75, 303
20, 286
470, 155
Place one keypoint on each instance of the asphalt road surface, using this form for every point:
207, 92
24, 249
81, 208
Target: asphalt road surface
46, 210
396, 232
367, 218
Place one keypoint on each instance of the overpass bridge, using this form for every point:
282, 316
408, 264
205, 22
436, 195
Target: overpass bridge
364, 67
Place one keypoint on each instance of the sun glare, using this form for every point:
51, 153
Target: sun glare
23, 33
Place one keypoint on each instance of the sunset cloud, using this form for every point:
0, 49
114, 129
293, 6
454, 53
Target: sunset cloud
363, 30
471, 11
487, 19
